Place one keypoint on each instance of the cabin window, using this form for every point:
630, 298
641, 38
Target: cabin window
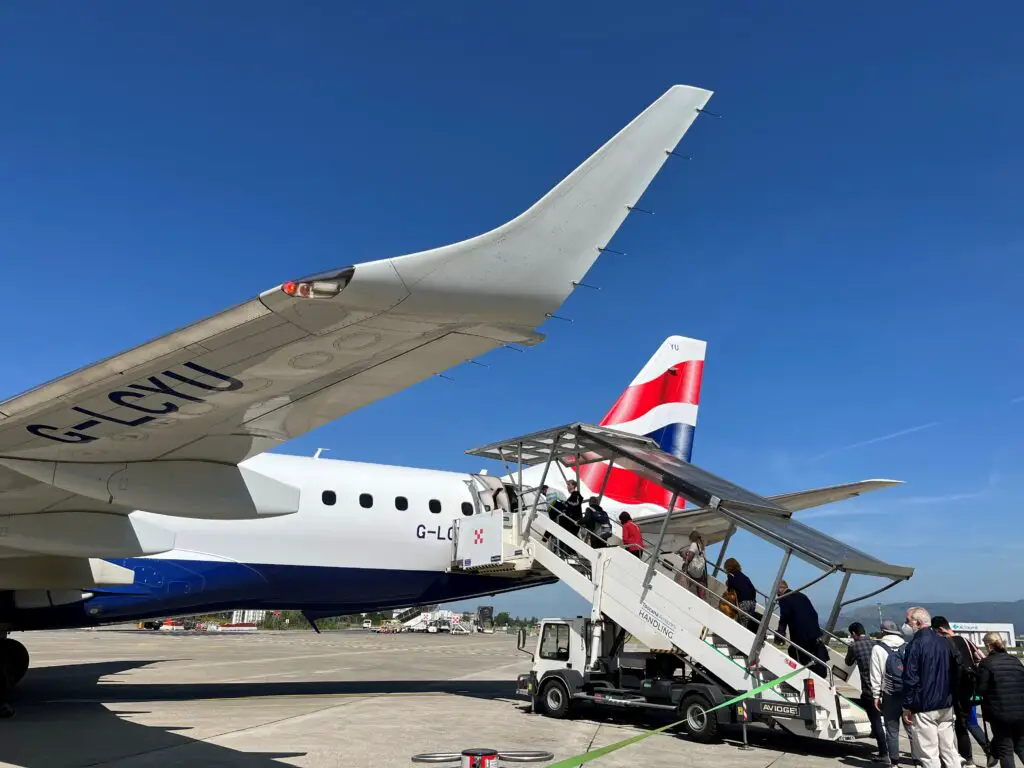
435, 506
401, 503
329, 498
365, 500
467, 508
555, 643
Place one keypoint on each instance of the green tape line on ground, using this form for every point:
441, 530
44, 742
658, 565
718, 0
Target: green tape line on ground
575, 762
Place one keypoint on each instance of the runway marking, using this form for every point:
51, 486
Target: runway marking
276, 674
471, 675
367, 695
334, 654
254, 696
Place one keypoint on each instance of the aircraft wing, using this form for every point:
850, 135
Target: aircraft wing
167, 426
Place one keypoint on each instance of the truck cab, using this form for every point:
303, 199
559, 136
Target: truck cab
579, 660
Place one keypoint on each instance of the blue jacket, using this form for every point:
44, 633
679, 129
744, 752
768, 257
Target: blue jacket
742, 585
798, 615
927, 672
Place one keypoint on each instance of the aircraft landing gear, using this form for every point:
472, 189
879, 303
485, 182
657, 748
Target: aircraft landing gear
13, 665
15, 659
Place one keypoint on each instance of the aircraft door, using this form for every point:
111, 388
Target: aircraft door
494, 498
491, 494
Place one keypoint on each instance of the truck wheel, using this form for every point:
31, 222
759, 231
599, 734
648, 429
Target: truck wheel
554, 699
700, 724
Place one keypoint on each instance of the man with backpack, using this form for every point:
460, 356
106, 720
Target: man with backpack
966, 674
887, 686
861, 651
597, 522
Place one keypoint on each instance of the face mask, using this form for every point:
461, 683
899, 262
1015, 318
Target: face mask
908, 631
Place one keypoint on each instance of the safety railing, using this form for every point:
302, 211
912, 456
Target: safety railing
752, 619
842, 674
776, 612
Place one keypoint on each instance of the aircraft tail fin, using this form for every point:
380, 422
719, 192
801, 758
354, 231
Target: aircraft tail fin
661, 403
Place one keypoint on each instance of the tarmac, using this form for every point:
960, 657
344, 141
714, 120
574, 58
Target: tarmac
350, 698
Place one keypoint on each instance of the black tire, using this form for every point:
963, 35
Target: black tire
15, 658
554, 700
699, 724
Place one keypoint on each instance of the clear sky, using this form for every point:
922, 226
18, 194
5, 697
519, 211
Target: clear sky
848, 238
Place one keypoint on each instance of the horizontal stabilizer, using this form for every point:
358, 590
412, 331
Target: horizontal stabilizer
816, 497
715, 527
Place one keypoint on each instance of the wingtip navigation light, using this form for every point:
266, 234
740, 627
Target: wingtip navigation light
325, 285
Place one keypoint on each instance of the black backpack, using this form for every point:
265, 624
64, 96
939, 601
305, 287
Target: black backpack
602, 523
964, 675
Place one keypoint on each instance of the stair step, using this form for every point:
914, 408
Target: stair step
857, 729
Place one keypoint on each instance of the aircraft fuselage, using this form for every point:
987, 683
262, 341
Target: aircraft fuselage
366, 537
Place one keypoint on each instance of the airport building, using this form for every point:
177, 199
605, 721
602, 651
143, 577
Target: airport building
247, 617
975, 632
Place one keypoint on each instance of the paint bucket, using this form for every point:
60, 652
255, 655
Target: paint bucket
479, 758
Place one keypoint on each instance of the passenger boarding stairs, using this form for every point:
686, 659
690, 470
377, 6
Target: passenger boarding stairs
408, 614
511, 535
666, 615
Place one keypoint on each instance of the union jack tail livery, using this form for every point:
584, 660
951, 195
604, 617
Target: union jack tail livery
660, 403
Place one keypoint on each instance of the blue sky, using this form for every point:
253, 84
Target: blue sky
848, 238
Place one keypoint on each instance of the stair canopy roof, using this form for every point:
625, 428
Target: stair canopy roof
720, 502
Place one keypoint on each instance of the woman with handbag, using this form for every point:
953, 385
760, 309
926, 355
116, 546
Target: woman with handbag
695, 565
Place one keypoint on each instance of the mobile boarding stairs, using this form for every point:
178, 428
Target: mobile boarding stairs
512, 535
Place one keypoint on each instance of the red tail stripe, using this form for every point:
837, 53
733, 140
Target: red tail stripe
679, 384
626, 487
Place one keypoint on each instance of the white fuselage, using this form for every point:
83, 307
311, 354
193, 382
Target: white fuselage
365, 537
349, 516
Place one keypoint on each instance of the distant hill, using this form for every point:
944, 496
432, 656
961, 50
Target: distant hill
996, 613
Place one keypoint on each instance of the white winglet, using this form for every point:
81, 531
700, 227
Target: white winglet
519, 272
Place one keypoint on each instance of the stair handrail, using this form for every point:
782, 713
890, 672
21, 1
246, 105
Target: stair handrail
721, 598
777, 614
823, 630
829, 677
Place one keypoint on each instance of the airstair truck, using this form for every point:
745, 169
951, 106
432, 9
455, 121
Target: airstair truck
620, 679
696, 653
